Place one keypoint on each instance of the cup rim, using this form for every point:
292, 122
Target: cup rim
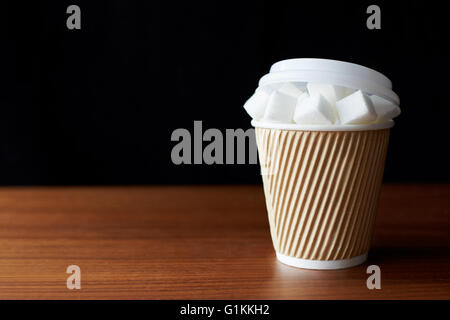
319, 127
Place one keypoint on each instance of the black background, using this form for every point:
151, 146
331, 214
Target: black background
98, 105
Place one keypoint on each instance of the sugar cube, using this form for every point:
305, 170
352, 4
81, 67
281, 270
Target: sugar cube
356, 108
314, 109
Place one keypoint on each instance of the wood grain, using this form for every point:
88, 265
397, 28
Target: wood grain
205, 242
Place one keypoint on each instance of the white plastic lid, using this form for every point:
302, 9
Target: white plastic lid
334, 72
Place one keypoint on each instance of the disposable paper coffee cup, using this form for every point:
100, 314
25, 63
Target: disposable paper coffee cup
321, 190
322, 183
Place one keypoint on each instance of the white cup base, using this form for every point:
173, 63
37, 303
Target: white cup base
321, 264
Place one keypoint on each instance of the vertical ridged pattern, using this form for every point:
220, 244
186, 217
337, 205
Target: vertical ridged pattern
321, 189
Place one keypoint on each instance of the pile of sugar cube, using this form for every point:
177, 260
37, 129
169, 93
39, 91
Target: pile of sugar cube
318, 103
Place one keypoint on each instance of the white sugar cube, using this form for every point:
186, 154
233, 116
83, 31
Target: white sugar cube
272, 87
290, 89
280, 107
269, 88
385, 109
356, 108
256, 104
281, 104
349, 91
302, 97
330, 92
314, 109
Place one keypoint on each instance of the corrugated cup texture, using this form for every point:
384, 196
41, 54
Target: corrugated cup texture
322, 189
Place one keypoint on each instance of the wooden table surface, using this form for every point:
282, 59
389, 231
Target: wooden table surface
205, 242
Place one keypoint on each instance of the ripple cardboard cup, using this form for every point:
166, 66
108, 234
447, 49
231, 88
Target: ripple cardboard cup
322, 182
